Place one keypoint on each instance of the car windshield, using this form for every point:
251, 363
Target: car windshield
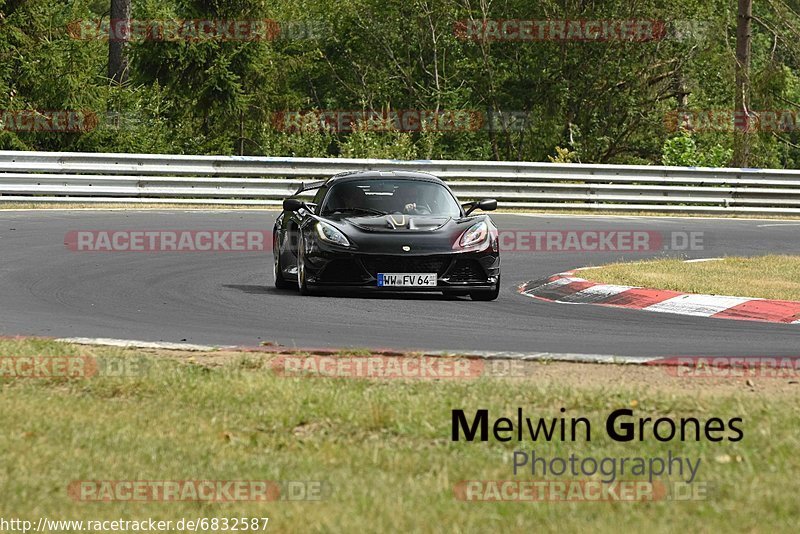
379, 197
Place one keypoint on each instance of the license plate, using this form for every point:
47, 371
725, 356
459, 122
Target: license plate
406, 279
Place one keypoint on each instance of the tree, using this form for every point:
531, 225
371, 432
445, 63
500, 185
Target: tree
742, 98
117, 40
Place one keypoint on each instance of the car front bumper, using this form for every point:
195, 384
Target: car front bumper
454, 271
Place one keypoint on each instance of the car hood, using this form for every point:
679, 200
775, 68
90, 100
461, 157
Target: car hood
396, 222
409, 234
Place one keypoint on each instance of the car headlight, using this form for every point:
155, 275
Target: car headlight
328, 233
474, 235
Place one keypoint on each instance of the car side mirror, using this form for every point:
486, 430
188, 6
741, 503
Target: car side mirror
293, 204
486, 204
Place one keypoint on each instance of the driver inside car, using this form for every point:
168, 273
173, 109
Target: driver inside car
348, 197
410, 200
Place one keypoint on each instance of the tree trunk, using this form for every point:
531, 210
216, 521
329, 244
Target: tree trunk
118, 37
741, 153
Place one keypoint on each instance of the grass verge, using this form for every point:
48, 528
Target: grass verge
769, 277
382, 448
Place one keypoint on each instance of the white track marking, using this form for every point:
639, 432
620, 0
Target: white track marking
134, 344
550, 356
595, 293
554, 284
489, 355
701, 260
698, 305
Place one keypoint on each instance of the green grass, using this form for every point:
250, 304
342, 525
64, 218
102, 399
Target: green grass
769, 277
382, 448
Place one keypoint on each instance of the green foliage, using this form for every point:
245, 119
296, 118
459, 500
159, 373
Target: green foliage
600, 101
366, 142
563, 155
682, 150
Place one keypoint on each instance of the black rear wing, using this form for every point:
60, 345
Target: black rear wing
309, 186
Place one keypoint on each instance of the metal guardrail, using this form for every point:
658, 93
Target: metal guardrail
237, 180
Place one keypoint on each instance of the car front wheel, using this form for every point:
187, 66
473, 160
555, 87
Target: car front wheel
277, 271
486, 295
302, 283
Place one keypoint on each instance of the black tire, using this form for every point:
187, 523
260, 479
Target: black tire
486, 295
277, 271
280, 281
302, 284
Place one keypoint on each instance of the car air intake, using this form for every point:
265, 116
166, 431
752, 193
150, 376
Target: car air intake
406, 264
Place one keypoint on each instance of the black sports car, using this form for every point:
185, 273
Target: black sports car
386, 231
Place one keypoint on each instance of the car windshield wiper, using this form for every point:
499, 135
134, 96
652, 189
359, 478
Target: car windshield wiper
361, 210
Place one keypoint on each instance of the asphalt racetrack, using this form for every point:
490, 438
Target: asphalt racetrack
228, 298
